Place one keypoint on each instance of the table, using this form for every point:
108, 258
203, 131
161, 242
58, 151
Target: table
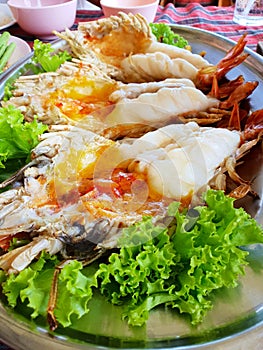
211, 18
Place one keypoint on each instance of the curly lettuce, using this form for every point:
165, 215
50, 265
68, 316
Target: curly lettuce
32, 287
17, 137
179, 265
183, 264
45, 57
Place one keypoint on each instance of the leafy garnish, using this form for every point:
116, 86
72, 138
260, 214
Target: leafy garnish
166, 35
8, 90
32, 287
46, 59
182, 265
17, 137
179, 266
10, 87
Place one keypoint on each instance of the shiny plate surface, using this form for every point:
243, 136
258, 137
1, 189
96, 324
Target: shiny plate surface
235, 322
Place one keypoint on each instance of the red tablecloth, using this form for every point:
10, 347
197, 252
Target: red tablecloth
212, 18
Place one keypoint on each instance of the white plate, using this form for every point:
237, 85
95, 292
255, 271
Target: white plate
6, 17
21, 50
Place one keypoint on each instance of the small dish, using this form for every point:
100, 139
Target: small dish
6, 17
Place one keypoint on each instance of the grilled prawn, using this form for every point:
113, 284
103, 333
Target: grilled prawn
75, 94
119, 65
81, 189
116, 40
124, 47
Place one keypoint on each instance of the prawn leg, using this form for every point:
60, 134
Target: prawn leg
233, 58
53, 324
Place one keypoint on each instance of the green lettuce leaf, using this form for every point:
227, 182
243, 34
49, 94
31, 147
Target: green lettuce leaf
32, 287
140, 270
166, 35
237, 223
75, 291
32, 284
46, 59
17, 137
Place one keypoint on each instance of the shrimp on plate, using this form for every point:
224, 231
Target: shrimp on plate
99, 102
116, 39
126, 42
119, 64
82, 186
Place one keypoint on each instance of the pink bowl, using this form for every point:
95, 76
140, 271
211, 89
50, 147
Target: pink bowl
41, 17
147, 8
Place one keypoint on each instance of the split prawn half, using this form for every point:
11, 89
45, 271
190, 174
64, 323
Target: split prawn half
115, 39
82, 186
73, 92
119, 65
76, 96
126, 43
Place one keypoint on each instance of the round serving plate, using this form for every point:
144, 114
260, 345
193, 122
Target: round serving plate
236, 320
